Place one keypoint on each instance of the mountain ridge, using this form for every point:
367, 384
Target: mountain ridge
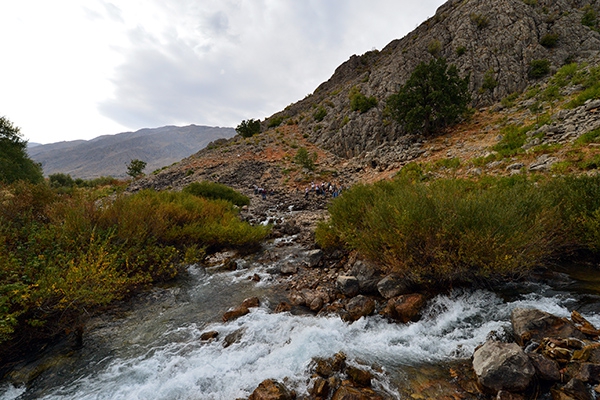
108, 155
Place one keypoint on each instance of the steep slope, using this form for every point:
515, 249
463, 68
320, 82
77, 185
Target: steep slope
109, 155
492, 40
553, 119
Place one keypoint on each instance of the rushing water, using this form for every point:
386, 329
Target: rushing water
156, 353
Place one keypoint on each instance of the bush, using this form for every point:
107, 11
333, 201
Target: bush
538, 68
275, 122
489, 82
248, 128
305, 159
589, 17
62, 257
15, 163
446, 231
513, 139
549, 40
320, 114
360, 102
217, 191
433, 97
481, 21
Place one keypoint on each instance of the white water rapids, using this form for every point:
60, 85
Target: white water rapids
162, 357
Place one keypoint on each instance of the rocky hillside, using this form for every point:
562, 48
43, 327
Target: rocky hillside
109, 155
492, 41
520, 124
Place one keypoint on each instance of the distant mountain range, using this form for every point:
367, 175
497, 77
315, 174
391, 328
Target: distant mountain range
109, 155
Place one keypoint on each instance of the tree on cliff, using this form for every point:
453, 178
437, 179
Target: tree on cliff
248, 128
15, 164
433, 97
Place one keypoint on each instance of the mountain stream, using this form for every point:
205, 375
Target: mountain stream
154, 350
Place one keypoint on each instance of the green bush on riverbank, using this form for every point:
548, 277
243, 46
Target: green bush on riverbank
62, 255
462, 231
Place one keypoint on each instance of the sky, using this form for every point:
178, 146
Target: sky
78, 69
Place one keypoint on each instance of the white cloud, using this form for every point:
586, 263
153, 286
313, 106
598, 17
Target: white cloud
79, 72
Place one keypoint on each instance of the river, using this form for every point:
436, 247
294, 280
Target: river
154, 350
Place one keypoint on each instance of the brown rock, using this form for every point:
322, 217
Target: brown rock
589, 373
360, 306
209, 335
316, 304
577, 390
283, 307
404, 308
531, 324
546, 369
251, 302
235, 313
348, 285
352, 393
270, 390
320, 389
359, 377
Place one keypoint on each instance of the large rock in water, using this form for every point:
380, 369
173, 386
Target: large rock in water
531, 324
502, 366
271, 390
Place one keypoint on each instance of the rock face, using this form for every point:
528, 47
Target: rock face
491, 40
502, 366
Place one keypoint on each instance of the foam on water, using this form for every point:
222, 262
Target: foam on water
281, 346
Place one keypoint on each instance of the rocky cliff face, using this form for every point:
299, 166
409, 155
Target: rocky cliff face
493, 42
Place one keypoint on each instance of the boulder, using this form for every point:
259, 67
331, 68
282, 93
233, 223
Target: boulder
546, 369
367, 276
320, 388
348, 285
313, 258
359, 377
270, 389
404, 308
531, 324
235, 313
392, 285
288, 269
251, 302
209, 335
573, 390
360, 306
589, 372
502, 366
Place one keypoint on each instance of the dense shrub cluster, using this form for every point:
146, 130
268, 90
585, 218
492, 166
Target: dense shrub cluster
63, 255
360, 102
463, 231
217, 191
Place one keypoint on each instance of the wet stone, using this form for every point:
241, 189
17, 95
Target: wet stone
209, 335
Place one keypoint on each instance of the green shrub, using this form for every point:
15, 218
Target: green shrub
305, 159
320, 114
538, 68
275, 122
509, 101
63, 256
549, 40
589, 137
589, 17
456, 230
513, 139
360, 102
217, 191
481, 21
448, 163
460, 50
434, 47
489, 82
248, 128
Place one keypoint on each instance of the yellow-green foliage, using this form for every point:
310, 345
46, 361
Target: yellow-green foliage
463, 231
62, 254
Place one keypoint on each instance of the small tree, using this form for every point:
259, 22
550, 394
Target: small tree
15, 164
248, 128
136, 168
433, 97
305, 159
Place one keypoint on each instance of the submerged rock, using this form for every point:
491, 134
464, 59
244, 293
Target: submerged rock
404, 308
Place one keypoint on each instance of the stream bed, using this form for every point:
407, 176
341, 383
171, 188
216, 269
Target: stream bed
154, 350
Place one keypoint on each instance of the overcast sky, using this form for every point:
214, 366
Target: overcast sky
78, 69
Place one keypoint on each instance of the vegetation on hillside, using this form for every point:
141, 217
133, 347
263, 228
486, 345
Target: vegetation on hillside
457, 230
64, 254
433, 97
